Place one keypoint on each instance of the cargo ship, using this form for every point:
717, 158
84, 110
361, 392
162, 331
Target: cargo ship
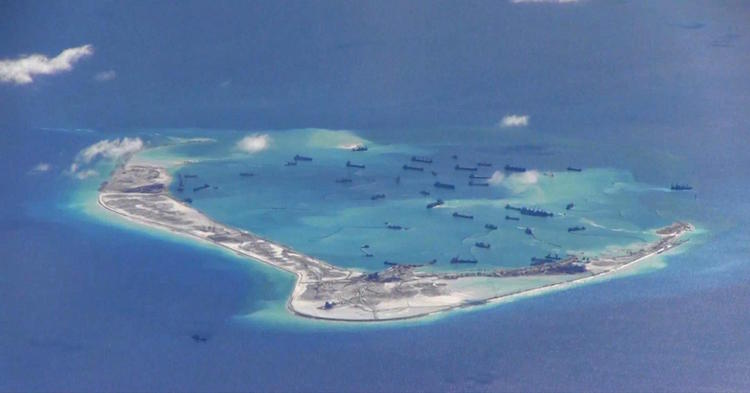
434, 204
478, 183
572, 169
444, 185
459, 260
377, 196
203, 187
680, 187
482, 245
511, 218
576, 229
459, 215
359, 148
479, 177
424, 160
349, 164
302, 158
511, 168
465, 168
484, 164
491, 227
530, 212
412, 168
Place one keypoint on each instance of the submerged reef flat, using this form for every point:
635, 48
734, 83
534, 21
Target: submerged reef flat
139, 192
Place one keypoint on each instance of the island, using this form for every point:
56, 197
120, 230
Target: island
140, 192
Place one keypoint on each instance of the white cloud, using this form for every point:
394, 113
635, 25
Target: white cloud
40, 168
526, 178
496, 178
106, 149
514, 121
105, 76
21, 70
254, 143
544, 1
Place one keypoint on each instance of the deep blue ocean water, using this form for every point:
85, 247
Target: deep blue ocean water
640, 94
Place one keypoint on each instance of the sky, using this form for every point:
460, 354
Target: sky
568, 66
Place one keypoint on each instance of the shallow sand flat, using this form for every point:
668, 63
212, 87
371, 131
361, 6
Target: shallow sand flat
139, 193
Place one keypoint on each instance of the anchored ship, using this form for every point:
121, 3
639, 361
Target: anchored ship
572, 169
680, 187
478, 183
482, 245
485, 164
434, 204
576, 229
511, 168
203, 187
530, 212
344, 180
465, 168
349, 164
459, 215
412, 168
479, 177
459, 260
246, 174
425, 193
291, 163
377, 196
491, 227
424, 160
511, 218
302, 158
444, 185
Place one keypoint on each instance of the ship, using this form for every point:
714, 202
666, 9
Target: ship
547, 259
203, 187
444, 185
680, 187
569, 206
482, 245
350, 165
359, 147
576, 229
188, 200
301, 158
434, 204
455, 157
412, 168
434, 173
424, 160
491, 227
290, 163
479, 177
459, 215
528, 231
190, 176
430, 262
344, 180
247, 174
459, 260
393, 226
530, 212
511, 168
572, 169
478, 183
424, 193
377, 196
465, 168
511, 218
485, 164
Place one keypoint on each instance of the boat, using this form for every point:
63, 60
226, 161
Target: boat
511, 218
343, 180
389, 263
424, 160
203, 187
291, 163
301, 158
479, 177
569, 206
482, 245
484, 164
680, 187
444, 185
350, 165
459, 215
424, 193
434, 173
465, 168
377, 196
434, 204
455, 157
459, 260
511, 168
576, 229
572, 169
359, 147
393, 226
247, 174
188, 200
412, 168
478, 183
491, 227
528, 231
